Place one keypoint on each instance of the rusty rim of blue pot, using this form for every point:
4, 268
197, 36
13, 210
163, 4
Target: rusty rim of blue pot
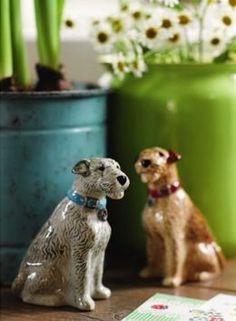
80, 91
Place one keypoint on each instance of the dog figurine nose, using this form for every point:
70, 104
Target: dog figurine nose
122, 179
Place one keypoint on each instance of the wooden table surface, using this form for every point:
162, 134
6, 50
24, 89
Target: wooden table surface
128, 292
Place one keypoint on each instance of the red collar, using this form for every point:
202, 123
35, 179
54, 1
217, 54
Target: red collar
164, 191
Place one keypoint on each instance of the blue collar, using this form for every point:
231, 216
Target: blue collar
89, 202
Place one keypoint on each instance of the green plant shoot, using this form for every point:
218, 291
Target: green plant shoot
48, 21
20, 63
6, 65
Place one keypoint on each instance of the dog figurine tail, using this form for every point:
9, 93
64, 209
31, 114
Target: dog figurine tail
220, 256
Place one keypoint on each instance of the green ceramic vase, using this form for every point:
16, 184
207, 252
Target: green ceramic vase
190, 108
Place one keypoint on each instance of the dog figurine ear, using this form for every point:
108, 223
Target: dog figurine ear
82, 168
173, 157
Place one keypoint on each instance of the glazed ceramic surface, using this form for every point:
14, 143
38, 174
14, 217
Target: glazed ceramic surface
64, 263
190, 108
41, 136
180, 245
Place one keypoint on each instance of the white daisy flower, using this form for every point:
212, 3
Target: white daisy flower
124, 5
185, 18
189, 25
120, 24
137, 12
227, 17
216, 12
167, 19
214, 44
150, 33
137, 65
69, 23
105, 81
176, 39
220, 16
102, 36
120, 65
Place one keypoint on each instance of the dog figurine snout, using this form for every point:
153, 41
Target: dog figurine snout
122, 179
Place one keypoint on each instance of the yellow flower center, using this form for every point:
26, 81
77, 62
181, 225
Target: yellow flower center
69, 23
117, 25
175, 38
166, 23
102, 37
215, 41
135, 64
95, 22
120, 66
232, 3
137, 15
151, 33
124, 7
184, 20
227, 20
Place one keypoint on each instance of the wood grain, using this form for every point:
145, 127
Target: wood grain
128, 292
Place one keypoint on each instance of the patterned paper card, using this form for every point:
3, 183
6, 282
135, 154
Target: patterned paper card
220, 308
225, 304
163, 307
205, 315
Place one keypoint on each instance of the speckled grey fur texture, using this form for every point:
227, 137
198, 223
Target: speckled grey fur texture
64, 263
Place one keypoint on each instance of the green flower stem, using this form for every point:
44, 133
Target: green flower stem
48, 21
6, 65
60, 7
39, 25
201, 18
20, 64
60, 10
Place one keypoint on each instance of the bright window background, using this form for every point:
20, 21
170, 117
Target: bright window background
78, 55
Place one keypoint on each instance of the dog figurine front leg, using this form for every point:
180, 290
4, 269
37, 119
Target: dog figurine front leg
174, 259
155, 256
82, 274
99, 290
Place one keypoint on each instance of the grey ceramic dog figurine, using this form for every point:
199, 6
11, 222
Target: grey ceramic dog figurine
64, 263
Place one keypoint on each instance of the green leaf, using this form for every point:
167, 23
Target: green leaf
20, 63
48, 21
6, 64
223, 57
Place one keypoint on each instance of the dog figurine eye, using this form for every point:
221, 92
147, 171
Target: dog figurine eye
145, 162
101, 168
161, 154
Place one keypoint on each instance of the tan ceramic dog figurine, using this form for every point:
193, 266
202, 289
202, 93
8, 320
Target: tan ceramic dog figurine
64, 263
180, 245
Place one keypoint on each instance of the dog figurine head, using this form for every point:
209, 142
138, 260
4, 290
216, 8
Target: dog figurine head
99, 177
154, 163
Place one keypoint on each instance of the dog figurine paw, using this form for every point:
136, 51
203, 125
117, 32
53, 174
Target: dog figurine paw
64, 263
180, 245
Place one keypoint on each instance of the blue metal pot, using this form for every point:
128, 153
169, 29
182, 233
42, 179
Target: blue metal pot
42, 136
